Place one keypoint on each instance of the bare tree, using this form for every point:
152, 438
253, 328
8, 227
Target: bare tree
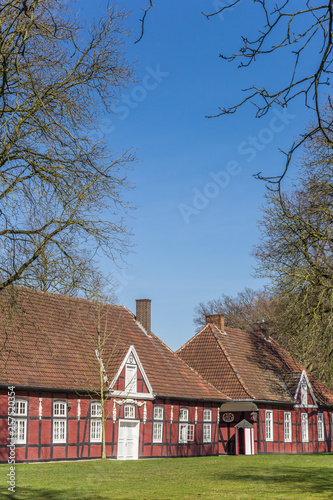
243, 311
61, 192
302, 28
296, 253
299, 30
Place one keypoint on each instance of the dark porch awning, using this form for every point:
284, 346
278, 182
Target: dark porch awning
238, 406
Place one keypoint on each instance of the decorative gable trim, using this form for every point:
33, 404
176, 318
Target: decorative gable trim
304, 378
131, 353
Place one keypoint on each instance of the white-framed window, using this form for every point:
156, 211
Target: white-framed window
305, 427
129, 411
158, 412
20, 429
183, 414
20, 432
304, 393
207, 415
59, 431
269, 425
96, 422
59, 424
96, 410
207, 433
320, 425
158, 426
157, 432
59, 409
96, 430
131, 378
21, 407
287, 427
186, 433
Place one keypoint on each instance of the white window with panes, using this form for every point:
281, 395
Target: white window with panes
186, 430
59, 421
287, 427
320, 426
129, 411
207, 427
96, 422
131, 379
20, 411
269, 425
183, 415
186, 433
158, 424
305, 427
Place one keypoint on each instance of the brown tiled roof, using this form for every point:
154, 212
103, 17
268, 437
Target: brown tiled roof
246, 365
291, 379
49, 341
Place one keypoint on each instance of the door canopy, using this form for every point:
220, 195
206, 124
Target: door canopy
234, 406
244, 424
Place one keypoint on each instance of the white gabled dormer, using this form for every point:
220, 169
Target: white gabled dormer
132, 377
304, 392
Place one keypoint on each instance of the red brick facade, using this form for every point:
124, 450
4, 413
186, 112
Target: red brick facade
254, 371
39, 445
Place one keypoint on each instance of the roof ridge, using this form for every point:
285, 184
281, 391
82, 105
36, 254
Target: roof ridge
63, 295
231, 363
301, 367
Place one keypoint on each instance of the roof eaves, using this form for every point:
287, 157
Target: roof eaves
189, 398
51, 389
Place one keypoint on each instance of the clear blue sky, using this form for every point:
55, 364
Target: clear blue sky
197, 202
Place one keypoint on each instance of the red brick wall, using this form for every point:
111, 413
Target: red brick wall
278, 445
39, 444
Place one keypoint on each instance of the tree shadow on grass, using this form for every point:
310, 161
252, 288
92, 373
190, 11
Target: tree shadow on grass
45, 494
308, 480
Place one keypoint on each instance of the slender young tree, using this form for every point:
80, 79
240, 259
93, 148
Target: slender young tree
101, 354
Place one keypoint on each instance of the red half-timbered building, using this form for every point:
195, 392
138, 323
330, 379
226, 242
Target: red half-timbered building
276, 405
49, 406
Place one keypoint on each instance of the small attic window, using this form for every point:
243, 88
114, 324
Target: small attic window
131, 378
304, 393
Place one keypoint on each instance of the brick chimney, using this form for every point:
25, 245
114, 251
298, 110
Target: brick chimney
143, 313
217, 320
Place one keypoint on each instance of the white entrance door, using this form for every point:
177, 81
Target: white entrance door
249, 442
128, 440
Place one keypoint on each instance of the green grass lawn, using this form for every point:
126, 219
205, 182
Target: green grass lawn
265, 477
